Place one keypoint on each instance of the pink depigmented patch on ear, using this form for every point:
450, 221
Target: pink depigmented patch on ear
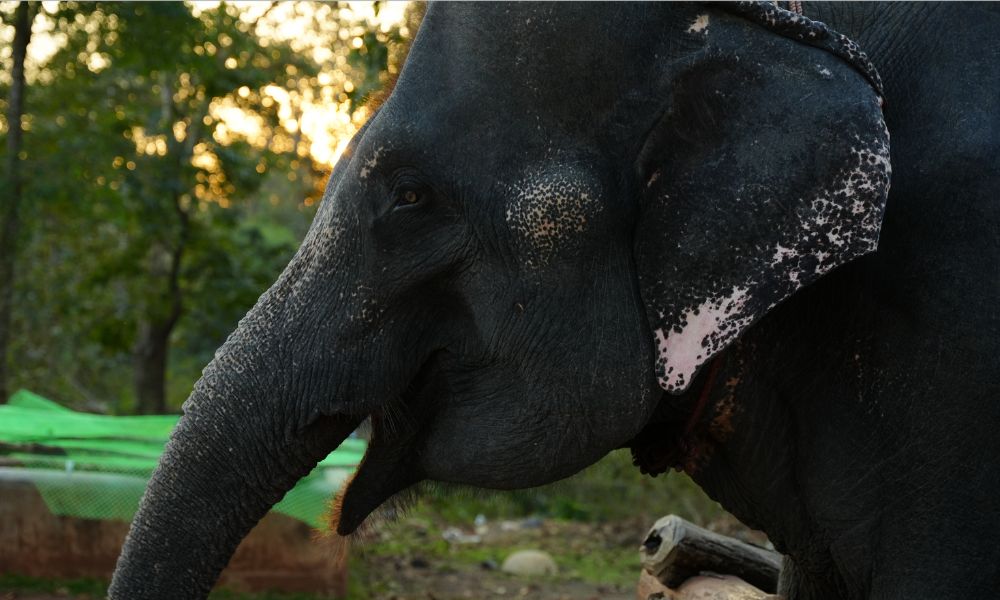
707, 329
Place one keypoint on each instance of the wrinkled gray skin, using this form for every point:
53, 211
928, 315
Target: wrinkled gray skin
548, 223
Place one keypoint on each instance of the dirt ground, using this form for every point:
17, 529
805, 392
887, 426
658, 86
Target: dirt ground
418, 559
595, 560
415, 559
456, 584
444, 586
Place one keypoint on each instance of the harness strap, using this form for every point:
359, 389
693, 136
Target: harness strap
792, 24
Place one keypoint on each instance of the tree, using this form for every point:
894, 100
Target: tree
172, 180
11, 198
159, 71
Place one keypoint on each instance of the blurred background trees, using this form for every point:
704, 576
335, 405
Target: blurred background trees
10, 200
171, 160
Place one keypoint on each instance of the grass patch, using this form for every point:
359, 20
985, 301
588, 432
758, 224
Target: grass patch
83, 586
590, 523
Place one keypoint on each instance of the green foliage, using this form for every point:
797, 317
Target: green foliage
610, 490
144, 207
372, 59
120, 138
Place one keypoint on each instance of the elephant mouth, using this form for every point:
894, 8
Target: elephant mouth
392, 460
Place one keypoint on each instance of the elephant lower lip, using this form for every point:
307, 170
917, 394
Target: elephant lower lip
388, 468
370, 489
391, 462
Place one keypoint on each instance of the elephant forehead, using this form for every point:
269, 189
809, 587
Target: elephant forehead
548, 212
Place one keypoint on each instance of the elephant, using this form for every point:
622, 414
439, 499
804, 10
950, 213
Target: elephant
574, 228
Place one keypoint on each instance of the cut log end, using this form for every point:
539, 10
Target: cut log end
675, 550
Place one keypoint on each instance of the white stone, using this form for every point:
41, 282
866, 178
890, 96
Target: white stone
530, 562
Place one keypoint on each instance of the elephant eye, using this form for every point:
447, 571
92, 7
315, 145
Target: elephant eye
408, 197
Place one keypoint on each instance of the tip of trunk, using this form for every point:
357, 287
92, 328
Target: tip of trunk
222, 471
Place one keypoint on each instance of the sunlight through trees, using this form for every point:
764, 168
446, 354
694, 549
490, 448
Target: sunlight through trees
173, 156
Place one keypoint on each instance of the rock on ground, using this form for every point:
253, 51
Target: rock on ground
530, 562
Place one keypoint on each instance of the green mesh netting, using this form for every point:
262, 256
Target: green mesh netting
97, 466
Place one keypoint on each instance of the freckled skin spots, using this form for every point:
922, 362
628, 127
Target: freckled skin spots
699, 25
782, 253
549, 211
371, 162
816, 33
842, 221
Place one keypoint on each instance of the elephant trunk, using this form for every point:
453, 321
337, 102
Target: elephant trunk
260, 418
213, 484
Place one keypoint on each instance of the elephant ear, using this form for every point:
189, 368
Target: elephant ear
768, 168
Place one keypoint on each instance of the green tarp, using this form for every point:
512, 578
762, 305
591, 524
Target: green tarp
97, 466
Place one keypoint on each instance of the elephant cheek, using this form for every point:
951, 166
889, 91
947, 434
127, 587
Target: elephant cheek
549, 212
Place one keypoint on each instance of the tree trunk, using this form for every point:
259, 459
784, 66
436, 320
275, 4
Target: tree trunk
11, 200
152, 346
151, 351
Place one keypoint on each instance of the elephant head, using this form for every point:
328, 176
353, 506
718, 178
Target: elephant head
560, 212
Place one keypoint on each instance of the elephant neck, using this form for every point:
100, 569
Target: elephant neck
690, 446
685, 428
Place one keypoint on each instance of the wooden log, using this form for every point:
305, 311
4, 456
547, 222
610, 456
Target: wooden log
675, 550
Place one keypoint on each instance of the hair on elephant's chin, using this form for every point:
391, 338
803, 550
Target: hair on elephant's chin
340, 543
391, 510
349, 529
364, 532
